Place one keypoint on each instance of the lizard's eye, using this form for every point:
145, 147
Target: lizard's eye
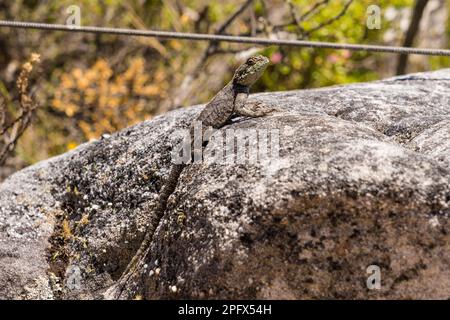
251, 61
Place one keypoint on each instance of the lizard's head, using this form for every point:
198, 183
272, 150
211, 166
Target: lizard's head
249, 72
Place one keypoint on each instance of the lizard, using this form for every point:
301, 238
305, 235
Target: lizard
229, 102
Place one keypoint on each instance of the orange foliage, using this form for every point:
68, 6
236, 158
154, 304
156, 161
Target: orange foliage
103, 102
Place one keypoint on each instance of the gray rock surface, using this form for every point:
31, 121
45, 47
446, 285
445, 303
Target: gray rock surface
362, 178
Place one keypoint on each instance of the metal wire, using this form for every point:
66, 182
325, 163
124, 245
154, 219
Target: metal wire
225, 38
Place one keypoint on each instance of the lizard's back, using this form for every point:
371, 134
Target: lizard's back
219, 109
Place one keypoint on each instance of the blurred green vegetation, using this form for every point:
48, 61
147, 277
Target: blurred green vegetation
92, 84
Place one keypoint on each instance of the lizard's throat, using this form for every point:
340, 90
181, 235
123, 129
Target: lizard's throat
240, 88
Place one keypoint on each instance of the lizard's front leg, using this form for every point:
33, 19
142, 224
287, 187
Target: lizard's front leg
250, 109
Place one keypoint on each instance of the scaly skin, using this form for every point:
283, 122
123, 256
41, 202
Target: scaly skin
227, 102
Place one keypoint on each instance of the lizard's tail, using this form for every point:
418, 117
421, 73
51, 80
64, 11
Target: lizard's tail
137, 262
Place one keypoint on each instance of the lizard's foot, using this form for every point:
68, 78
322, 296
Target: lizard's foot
255, 109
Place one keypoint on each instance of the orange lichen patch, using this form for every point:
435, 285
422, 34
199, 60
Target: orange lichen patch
66, 231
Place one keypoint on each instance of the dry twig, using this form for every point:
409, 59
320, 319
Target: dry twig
11, 131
